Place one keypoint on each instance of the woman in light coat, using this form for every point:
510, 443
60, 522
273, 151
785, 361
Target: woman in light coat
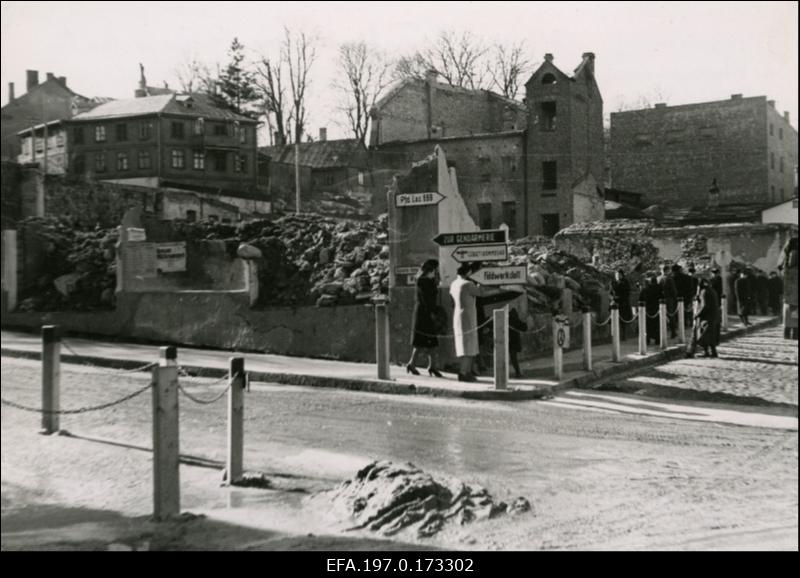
465, 321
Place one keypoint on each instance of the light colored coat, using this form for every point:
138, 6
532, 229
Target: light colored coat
465, 316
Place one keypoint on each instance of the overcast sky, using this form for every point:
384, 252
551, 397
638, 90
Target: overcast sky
676, 52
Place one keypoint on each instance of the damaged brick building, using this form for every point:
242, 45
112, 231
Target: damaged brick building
536, 166
672, 154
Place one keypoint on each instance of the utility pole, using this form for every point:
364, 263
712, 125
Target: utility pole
297, 175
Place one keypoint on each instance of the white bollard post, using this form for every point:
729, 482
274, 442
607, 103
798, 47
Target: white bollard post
587, 340
558, 352
681, 321
662, 324
501, 348
234, 464
616, 353
51, 379
382, 339
166, 449
642, 329
723, 303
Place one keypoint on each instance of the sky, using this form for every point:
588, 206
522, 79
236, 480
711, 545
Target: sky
673, 52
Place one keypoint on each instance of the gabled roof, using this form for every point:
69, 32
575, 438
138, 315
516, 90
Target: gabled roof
49, 84
319, 155
466, 93
197, 105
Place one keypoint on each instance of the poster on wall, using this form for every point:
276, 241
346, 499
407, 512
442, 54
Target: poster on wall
171, 257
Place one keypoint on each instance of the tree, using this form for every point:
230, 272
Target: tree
237, 89
298, 53
195, 76
364, 76
458, 59
271, 91
507, 68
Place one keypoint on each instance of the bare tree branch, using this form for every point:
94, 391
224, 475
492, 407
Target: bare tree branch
299, 53
458, 59
195, 76
271, 90
508, 67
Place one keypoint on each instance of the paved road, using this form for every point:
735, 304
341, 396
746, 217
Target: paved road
597, 478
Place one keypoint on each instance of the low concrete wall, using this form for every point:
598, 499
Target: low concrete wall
221, 320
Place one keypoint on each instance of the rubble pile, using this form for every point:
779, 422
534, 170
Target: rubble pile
78, 267
389, 498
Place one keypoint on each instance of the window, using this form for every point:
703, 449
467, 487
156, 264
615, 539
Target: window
509, 164
79, 164
199, 160
783, 193
485, 215
549, 175
772, 160
220, 129
100, 162
26, 146
60, 139
177, 159
213, 218
547, 116
361, 178
199, 127
771, 129
100, 133
772, 191
145, 129
549, 78
781, 164
191, 216
242, 135
550, 224
780, 133
240, 163
144, 159
77, 135
510, 217
122, 132
220, 161
176, 129
122, 161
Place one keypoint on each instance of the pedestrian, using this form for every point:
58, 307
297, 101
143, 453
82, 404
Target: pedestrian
429, 318
762, 293
651, 295
517, 327
621, 294
683, 286
670, 295
716, 283
775, 285
465, 321
689, 304
706, 321
742, 289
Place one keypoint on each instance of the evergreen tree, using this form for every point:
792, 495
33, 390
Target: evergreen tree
237, 85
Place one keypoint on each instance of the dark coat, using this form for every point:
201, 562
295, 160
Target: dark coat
686, 287
668, 290
708, 315
743, 289
425, 323
775, 285
621, 292
516, 327
651, 295
716, 285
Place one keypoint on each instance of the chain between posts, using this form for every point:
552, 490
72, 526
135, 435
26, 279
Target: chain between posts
79, 410
107, 371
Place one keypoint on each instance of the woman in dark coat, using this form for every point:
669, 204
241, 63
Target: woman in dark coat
427, 324
651, 295
621, 293
706, 321
743, 289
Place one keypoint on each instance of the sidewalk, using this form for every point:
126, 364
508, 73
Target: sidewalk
538, 382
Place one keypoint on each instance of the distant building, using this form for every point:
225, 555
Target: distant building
45, 144
535, 166
672, 154
42, 102
785, 212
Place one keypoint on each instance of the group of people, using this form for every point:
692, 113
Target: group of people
468, 299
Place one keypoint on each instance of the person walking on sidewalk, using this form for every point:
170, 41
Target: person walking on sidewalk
742, 289
775, 294
706, 322
621, 294
651, 295
516, 328
428, 318
670, 295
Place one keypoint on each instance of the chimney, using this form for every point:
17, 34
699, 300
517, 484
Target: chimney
63, 80
785, 112
589, 58
32, 80
277, 139
323, 134
660, 105
430, 81
736, 97
11, 93
771, 103
50, 76
548, 57
431, 75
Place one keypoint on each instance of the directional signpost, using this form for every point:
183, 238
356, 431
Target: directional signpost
513, 275
488, 237
481, 253
417, 199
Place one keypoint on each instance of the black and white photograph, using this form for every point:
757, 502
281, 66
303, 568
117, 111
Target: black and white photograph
399, 287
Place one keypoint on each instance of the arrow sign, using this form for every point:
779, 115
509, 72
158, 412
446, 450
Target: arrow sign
472, 238
417, 199
481, 253
513, 275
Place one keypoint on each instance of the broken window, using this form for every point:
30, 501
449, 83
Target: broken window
510, 217
550, 224
122, 132
549, 175
191, 216
549, 78
547, 116
177, 129
485, 215
509, 164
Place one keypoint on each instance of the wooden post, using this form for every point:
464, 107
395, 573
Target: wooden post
587, 339
723, 301
501, 348
662, 324
51, 379
558, 352
382, 339
166, 450
642, 329
681, 321
9, 270
235, 461
616, 354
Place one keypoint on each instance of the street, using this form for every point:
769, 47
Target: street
599, 472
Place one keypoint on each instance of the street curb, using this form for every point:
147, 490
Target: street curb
351, 384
